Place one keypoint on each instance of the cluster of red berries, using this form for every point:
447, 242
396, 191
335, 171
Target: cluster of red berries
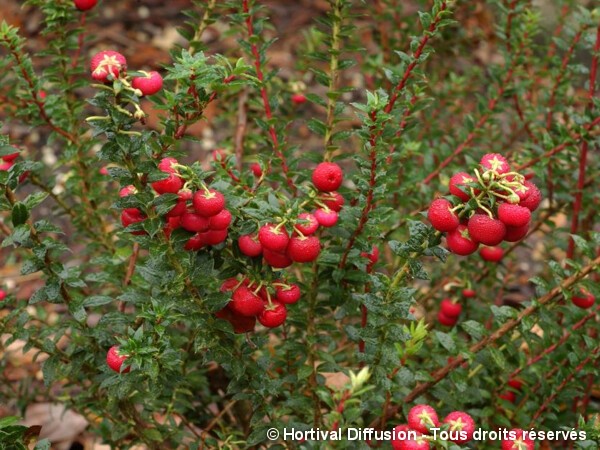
416, 434
251, 301
510, 394
494, 205
202, 212
450, 309
108, 64
274, 242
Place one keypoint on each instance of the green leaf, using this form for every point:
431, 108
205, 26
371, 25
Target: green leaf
19, 214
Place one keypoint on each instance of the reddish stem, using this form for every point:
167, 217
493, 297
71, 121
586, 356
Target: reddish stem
375, 134
584, 150
265, 100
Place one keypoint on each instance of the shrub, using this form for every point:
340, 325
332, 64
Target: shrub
283, 274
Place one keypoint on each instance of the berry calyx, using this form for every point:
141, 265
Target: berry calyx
458, 182
491, 254
273, 237
304, 248
584, 299
460, 242
149, 84
462, 422
495, 162
422, 417
518, 443
484, 229
208, 203
245, 302
115, 360
327, 176
85, 5
273, 315
441, 216
326, 217
105, 63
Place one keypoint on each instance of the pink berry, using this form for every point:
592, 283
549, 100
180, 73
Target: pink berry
149, 84
107, 63
326, 217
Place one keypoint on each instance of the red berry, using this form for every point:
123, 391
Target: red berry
194, 222
484, 229
585, 299
460, 243
307, 223
103, 170
298, 99
287, 294
327, 176
304, 249
127, 190
373, 256
11, 157
509, 396
491, 254
220, 221
195, 243
181, 206
514, 215
5, 166
450, 309
219, 155
172, 224
420, 443
514, 234
468, 293
208, 203
130, 216
85, 5
149, 84
245, 302
42, 94
115, 360
445, 320
273, 238
229, 284
515, 383
107, 63
440, 216
166, 165
170, 185
422, 417
214, 237
273, 315
256, 170
333, 200
276, 259
496, 162
326, 217
242, 324
2, 295
249, 245
460, 421
518, 443
534, 197
458, 180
